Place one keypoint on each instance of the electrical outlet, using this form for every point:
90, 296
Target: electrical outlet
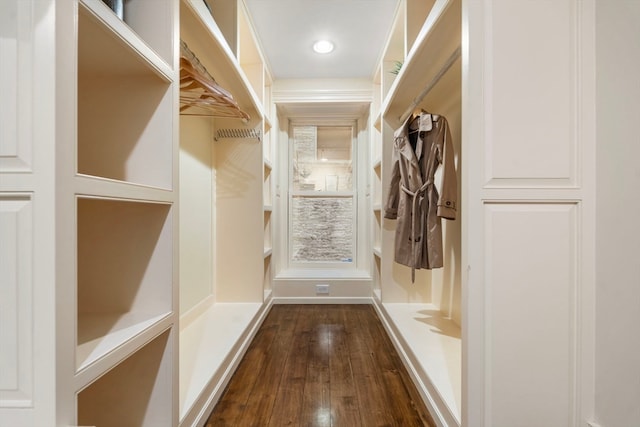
322, 289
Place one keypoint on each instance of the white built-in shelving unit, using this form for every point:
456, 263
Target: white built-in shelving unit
423, 318
225, 197
117, 206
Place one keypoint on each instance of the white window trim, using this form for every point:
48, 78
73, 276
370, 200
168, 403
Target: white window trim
330, 268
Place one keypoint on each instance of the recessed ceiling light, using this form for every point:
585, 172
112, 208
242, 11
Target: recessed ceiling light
323, 46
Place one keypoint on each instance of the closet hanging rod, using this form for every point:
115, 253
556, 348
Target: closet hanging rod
445, 67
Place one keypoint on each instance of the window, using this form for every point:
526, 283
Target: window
322, 196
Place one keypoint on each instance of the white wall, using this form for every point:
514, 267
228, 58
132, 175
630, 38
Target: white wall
618, 209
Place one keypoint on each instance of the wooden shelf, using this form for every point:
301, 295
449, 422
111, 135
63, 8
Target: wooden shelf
115, 189
102, 333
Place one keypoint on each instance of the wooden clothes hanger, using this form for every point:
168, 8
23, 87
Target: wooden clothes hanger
200, 94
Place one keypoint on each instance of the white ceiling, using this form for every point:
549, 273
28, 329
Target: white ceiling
287, 29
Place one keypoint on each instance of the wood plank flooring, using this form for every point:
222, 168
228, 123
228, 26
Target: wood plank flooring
321, 366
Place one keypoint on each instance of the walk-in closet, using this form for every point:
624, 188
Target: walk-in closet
152, 170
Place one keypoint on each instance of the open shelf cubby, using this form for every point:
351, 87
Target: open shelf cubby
124, 272
149, 22
125, 109
134, 393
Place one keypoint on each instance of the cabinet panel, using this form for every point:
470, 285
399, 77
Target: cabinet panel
531, 375
16, 313
15, 85
532, 142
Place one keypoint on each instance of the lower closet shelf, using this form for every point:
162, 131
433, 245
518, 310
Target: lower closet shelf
209, 343
432, 344
101, 333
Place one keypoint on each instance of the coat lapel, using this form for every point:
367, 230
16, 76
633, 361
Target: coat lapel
404, 147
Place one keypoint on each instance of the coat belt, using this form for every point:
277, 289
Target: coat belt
414, 205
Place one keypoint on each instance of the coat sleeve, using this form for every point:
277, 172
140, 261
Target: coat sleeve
447, 205
391, 205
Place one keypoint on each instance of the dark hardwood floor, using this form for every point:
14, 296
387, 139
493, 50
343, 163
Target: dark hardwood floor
321, 365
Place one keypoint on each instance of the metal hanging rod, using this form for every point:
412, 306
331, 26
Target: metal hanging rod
237, 133
445, 67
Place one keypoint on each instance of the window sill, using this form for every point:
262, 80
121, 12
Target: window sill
324, 273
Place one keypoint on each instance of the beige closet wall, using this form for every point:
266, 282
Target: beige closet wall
446, 282
196, 204
618, 210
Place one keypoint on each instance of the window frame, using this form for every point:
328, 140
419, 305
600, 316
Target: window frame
353, 194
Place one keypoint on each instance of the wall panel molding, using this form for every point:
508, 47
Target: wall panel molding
531, 144
16, 289
531, 304
16, 82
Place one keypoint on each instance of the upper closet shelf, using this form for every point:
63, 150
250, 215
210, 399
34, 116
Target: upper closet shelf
203, 36
435, 50
154, 52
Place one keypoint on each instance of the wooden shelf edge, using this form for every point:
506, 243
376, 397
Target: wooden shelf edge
109, 188
124, 344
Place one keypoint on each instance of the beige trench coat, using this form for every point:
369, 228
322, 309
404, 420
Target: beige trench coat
413, 197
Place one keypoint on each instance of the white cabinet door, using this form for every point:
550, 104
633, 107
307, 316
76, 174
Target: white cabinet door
528, 111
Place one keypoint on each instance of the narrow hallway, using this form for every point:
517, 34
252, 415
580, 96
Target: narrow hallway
321, 365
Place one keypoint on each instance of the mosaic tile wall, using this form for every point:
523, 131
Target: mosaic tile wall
322, 229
